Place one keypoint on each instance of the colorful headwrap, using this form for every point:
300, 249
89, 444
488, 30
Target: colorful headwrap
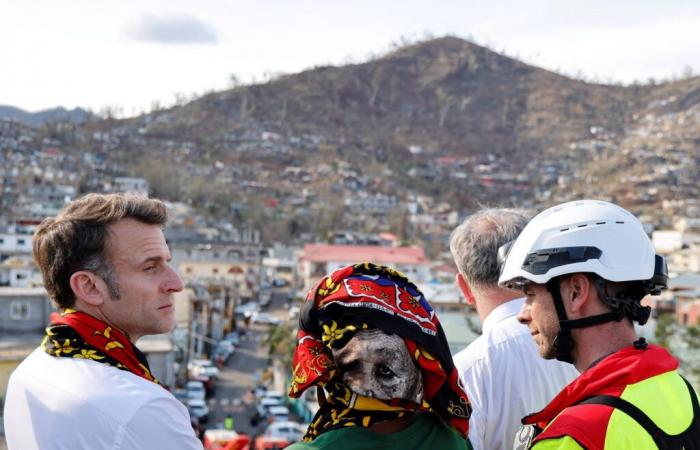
366, 296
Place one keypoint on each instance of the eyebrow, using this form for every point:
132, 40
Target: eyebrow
155, 259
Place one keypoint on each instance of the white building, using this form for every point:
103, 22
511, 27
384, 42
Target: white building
131, 185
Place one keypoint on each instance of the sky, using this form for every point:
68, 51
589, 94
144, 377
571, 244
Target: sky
131, 55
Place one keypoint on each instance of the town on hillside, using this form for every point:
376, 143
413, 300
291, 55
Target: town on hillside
260, 208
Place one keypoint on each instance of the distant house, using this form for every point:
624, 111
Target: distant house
15, 243
317, 260
235, 265
668, 241
685, 290
131, 184
24, 310
280, 264
24, 313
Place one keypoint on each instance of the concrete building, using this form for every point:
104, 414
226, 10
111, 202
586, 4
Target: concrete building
131, 184
24, 313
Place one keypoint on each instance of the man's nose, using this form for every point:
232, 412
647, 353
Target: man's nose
524, 316
174, 283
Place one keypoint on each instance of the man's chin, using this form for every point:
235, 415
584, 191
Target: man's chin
548, 352
166, 327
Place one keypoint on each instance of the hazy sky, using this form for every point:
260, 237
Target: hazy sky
93, 53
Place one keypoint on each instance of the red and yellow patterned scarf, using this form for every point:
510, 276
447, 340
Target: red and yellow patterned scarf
75, 334
365, 296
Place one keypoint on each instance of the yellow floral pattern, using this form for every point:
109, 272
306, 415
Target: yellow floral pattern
332, 333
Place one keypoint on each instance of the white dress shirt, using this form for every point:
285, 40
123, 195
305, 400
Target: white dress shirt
76, 404
506, 378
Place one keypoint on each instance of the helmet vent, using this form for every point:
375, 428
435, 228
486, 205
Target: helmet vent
620, 221
564, 229
583, 225
600, 223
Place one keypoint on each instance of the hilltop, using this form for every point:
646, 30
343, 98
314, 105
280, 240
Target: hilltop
401, 142
59, 114
446, 95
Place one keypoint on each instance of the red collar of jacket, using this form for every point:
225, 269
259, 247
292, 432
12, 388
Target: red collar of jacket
610, 376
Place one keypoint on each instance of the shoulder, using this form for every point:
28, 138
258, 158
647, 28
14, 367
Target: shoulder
501, 338
472, 353
585, 424
73, 383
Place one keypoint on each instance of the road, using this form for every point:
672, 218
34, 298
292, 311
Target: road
236, 380
242, 373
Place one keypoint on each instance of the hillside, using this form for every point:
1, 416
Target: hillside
447, 95
436, 126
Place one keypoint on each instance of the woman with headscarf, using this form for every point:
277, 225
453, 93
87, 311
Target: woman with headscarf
374, 349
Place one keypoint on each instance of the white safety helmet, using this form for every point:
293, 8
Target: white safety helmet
581, 236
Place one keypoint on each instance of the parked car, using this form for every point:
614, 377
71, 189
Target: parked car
264, 405
233, 337
246, 310
270, 443
199, 367
279, 282
275, 413
265, 318
196, 389
182, 395
208, 382
265, 299
260, 390
222, 351
287, 429
219, 439
277, 395
198, 409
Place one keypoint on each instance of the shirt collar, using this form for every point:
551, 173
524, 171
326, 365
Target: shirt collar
502, 312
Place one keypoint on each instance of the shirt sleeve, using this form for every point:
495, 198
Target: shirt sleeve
562, 443
161, 423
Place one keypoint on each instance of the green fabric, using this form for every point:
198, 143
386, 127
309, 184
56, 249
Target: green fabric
426, 432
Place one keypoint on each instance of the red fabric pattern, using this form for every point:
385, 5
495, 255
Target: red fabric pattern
109, 341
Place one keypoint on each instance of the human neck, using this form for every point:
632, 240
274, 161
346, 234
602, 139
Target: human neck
97, 313
489, 298
594, 343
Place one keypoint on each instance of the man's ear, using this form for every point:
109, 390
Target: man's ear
87, 287
465, 289
580, 287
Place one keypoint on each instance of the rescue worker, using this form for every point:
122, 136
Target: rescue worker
584, 267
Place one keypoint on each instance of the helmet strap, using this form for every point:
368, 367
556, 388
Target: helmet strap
564, 342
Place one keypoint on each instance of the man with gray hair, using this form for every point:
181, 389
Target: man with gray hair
502, 374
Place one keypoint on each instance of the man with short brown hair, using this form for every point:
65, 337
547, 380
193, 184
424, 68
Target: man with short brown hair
104, 261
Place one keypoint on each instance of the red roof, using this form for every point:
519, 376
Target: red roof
361, 253
387, 236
